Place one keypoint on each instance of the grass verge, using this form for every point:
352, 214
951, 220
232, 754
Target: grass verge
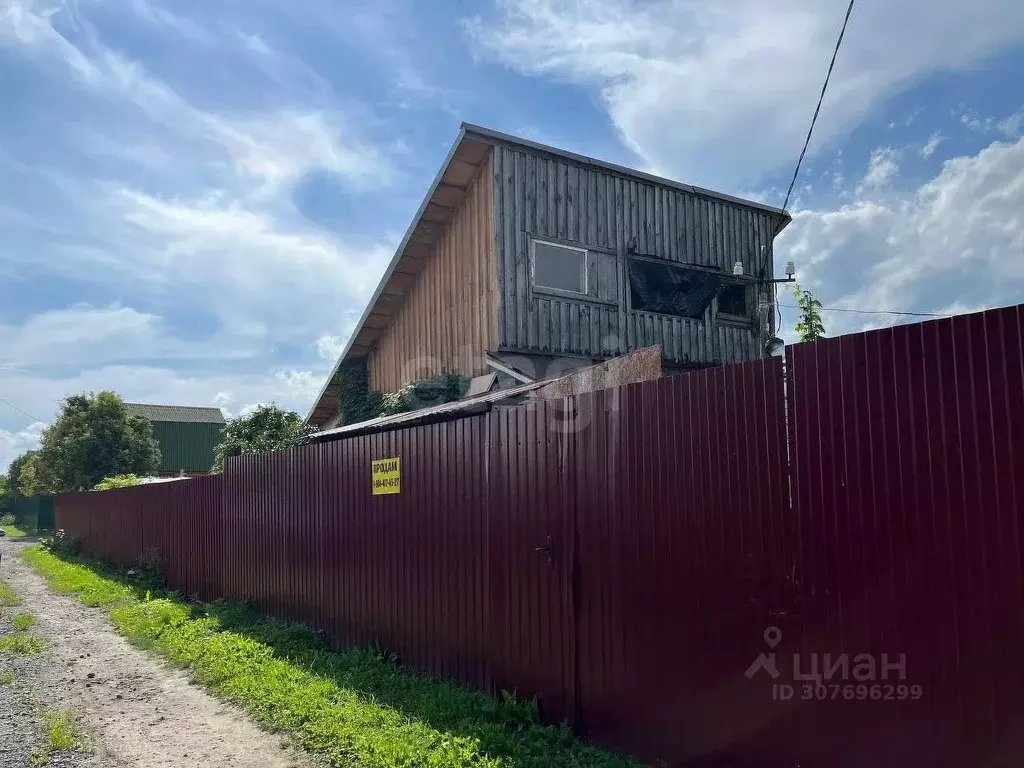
7, 678
14, 531
351, 707
8, 597
22, 622
21, 644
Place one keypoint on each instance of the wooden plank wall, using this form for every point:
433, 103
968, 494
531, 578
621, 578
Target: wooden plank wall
547, 196
448, 320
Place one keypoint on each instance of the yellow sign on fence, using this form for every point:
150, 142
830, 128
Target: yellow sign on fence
386, 476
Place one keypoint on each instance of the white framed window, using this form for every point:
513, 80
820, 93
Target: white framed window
558, 267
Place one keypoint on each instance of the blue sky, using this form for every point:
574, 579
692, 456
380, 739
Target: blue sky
196, 198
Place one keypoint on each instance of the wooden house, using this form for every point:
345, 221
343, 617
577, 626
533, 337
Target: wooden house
524, 260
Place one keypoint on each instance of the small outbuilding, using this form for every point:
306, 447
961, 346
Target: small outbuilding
188, 436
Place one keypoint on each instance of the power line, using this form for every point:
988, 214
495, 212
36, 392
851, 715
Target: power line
16, 408
872, 311
817, 109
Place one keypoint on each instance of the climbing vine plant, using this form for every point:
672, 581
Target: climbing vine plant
809, 325
356, 402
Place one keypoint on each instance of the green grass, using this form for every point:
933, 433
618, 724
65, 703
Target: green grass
23, 622
8, 597
21, 644
61, 730
7, 678
14, 531
62, 733
351, 707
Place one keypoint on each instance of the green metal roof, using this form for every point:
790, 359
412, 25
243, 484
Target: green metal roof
192, 414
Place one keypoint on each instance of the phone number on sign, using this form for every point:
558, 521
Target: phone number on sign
849, 692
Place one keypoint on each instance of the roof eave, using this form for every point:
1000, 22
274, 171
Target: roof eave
491, 136
390, 269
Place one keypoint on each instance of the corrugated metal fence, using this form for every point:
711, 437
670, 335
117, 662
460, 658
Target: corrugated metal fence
627, 555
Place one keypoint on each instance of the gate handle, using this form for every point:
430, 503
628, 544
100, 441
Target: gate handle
547, 550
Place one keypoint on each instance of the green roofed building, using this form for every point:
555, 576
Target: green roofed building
188, 436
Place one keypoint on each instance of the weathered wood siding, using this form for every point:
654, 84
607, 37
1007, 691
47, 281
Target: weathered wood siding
551, 197
448, 320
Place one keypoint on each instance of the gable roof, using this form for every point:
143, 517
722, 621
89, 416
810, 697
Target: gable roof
465, 158
193, 414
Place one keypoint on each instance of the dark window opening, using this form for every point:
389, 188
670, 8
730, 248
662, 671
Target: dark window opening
732, 300
560, 267
671, 290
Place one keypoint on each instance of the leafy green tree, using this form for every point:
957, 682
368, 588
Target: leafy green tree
95, 436
809, 325
268, 428
36, 479
12, 486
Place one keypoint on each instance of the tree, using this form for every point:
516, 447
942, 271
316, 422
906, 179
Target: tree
12, 490
35, 479
95, 436
268, 428
809, 326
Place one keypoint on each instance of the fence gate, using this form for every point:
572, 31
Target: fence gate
531, 541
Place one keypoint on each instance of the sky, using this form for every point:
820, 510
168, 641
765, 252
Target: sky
197, 197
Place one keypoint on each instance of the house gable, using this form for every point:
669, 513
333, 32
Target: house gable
460, 284
448, 316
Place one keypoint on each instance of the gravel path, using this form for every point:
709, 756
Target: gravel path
21, 729
138, 711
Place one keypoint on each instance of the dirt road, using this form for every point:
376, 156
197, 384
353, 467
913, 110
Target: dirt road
137, 711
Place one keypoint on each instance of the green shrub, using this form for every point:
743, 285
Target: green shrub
61, 543
7, 520
116, 481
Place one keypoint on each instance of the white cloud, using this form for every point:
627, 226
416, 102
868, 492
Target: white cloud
271, 146
957, 242
330, 347
13, 444
929, 147
882, 169
718, 93
1012, 126
220, 230
186, 212
79, 333
248, 264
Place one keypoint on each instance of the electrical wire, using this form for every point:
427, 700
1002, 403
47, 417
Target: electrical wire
872, 311
16, 408
821, 98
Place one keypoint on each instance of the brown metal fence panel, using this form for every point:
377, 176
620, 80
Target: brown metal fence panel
403, 571
682, 528
532, 556
629, 556
908, 476
180, 522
